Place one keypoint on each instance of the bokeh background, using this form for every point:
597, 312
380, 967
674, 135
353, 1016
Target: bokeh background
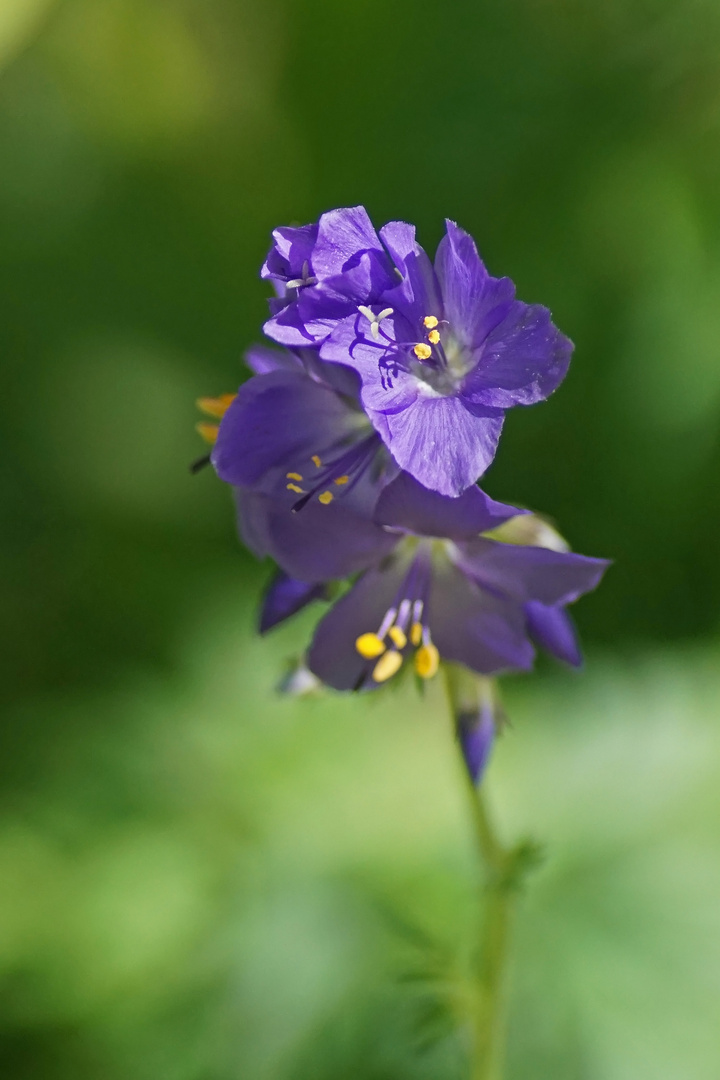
200, 880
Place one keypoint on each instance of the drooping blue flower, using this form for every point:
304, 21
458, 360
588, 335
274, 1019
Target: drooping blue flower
441, 585
442, 350
447, 593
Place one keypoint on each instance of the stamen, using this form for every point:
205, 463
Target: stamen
342, 472
296, 489
398, 637
387, 622
369, 646
386, 666
434, 337
209, 432
422, 351
293, 476
416, 633
215, 406
427, 661
430, 322
403, 612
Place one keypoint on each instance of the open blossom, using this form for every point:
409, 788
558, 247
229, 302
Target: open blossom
442, 350
446, 591
306, 464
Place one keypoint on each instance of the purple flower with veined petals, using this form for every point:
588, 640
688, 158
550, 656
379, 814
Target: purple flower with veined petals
445, 591
306, 465
324, 271
288, 265
442, 351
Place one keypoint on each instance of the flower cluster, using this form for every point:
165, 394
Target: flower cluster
355, 450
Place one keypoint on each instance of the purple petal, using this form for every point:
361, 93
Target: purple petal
276, 421
261, 360
351, 344
292, 249
319, 308
522, 361
552, 629
441, 443
531, 573
399, 238
406, 504
342, 234
286, 596
474, 301
333, 656
473, 627
316, 544
418, 294
287, 328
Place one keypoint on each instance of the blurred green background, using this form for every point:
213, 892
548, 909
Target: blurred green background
200, 880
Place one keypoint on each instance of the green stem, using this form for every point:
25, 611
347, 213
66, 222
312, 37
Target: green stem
492, 959
503, 870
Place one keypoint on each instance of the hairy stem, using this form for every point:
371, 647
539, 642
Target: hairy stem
492, 959
503, 872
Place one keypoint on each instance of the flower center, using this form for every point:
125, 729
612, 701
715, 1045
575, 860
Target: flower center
404, 628
326, 479
443, 361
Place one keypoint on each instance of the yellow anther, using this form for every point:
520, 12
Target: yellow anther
430, 322
427, 661
293, 476
316, 461
386, 666
398, 637
209, 432
215, 406
422, 351
296, 489
370, 646
340, 480
416, 633
325, 498
434, 337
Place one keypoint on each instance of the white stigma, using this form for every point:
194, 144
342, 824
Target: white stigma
374, 320
306, 279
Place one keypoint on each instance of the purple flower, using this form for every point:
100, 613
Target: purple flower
306, 465
446, 592
442, 351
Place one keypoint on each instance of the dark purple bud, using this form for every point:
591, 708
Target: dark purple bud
286, 596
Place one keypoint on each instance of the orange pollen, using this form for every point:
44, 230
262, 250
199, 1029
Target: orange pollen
209, 432
216, 406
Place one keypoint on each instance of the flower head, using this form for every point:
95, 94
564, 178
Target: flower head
448, 591
306, 465
442, 350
